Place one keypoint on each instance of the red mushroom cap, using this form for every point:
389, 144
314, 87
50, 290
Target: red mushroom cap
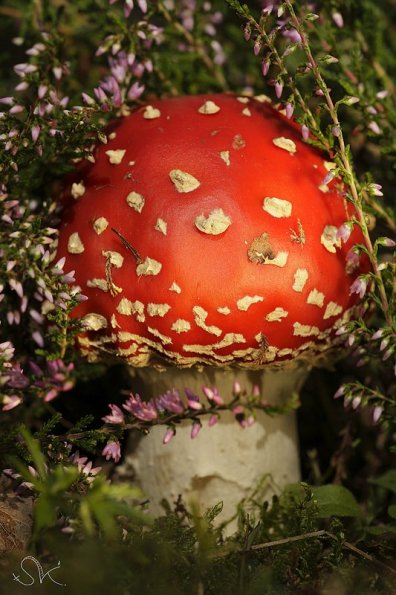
203, 233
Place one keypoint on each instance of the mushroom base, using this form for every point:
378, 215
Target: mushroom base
225, 462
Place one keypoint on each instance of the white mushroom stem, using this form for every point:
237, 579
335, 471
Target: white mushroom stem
224, 462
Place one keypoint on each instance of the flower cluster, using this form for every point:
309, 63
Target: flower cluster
170, 408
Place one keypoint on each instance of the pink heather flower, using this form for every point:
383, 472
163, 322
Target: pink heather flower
35, 132
388, 242
382, 94
378, 334
213, 420
257, 46
305, 132
9, 402
236, 389
195, 429
344, 232
356, 402
135, 91
377, 412
359, 286
289, 110
336, 131
338, 20
116, 416
352, 261
212, 394
265, 64
328, 178
256, 392
339, 393
375, 189
42, 91
112, 450
373, 126
192, 400
170, 432
143, 410
170, 401
278, 89
85, 466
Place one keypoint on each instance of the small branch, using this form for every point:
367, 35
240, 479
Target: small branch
345, 162
311, 535
128, 245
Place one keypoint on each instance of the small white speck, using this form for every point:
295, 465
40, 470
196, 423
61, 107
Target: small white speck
276, 315
300, 279
77, 189
116, 156
181, 326
100, 225
332, 309
148, 267
329, 238
215, 223
116, 259
285, 143
136, 201
175, 287
246, 112
161, 226
183, 181
209, 108
74, 244
316, 298
225, 156
94, 322
151, 113
245, 302
277, 207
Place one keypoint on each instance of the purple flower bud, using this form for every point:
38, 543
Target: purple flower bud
373, 126
278, 89
35, 132
236, 389
9, 402
388, 243
57, 70
289, 110
213, 420
116, 416
265, 64
336, 131
16, 109
42, 91
344, 232
359, 286
192, 400
170, 432
378, 334
377, 412
382, 94
196, 428
338, 20
339, 393
356, 402
87, 99
38, 338
112, 450
305, 132
257, 46
212, 395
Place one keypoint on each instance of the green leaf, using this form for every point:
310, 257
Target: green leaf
44, 512
335, 500
392, 511
387, 480
214, 511
35, 452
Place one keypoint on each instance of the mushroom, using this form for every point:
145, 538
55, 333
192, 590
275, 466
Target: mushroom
206, 242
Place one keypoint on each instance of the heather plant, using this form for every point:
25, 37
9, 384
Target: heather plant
67, 69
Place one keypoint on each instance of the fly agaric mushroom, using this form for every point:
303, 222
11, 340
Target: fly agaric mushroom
206, 242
